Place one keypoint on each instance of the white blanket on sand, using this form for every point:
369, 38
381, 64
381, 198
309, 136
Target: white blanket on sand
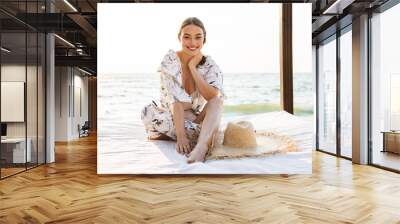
119, 154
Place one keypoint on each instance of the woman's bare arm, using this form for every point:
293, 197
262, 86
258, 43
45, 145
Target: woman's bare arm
178, 112
205, 89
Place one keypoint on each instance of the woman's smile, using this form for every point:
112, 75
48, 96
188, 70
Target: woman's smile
192, 48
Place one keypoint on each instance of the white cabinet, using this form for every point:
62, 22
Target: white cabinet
17, 146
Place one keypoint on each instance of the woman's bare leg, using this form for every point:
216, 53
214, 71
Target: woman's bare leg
213, 112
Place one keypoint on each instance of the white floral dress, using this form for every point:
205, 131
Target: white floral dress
157, 117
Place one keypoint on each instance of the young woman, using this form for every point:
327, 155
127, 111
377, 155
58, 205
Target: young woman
191, 101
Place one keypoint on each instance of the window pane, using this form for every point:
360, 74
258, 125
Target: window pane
386, 88
327, 97
346, 94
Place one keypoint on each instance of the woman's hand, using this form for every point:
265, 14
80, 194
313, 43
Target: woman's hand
178, 115
183, 145
195, 60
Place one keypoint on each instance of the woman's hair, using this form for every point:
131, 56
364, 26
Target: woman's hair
197, 22
193, 21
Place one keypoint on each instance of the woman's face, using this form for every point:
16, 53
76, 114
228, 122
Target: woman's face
192, 38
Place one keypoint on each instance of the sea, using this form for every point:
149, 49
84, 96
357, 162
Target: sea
246, 92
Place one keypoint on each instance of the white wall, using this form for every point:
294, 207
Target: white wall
81, 84
70, 84
62, 81
12, 101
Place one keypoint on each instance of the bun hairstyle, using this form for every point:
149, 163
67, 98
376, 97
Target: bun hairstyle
197, 22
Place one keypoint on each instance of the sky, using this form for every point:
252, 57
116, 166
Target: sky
241, 37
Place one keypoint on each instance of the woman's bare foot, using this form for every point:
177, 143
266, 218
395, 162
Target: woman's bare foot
159, 137
198, 154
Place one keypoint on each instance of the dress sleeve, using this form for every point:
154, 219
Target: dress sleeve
214, 77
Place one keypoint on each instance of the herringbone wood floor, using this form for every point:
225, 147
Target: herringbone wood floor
70, 191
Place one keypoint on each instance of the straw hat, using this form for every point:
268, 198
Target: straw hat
240, 139
240, 135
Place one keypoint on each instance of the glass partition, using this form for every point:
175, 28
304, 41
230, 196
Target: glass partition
22, 87
33, 56
31, 100
41, 109
13, 109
